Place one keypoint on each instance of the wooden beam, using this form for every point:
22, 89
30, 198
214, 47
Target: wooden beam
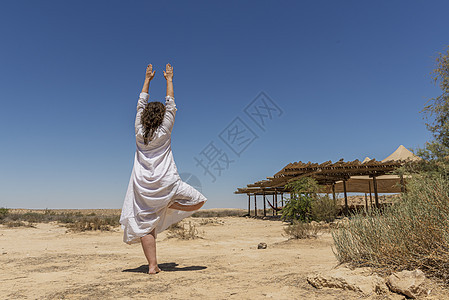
249, 205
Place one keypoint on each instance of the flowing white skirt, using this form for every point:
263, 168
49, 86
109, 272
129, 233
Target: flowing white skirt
137, 222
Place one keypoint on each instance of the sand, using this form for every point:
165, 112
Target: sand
47, 262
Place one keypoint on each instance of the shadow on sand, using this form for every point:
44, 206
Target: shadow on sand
166, 267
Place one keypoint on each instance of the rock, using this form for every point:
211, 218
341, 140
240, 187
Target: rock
408, 283
262, 246
346, 279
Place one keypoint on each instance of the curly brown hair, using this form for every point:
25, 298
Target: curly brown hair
151, 118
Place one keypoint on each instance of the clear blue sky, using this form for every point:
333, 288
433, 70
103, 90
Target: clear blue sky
349, 76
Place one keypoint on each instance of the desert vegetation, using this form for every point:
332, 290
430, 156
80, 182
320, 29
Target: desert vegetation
74, 221
414, 232
183, 231
306, 204
214, 213
408, 235
301, 230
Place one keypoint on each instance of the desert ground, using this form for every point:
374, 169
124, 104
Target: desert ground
48, 262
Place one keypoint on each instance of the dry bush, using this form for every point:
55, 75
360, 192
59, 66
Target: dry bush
324, 209
413, 233
183, 232
301, 230
210, 221
74, 221
12, 224
219, 213
89, 223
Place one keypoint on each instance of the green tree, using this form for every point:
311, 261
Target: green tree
437, 114
303, 194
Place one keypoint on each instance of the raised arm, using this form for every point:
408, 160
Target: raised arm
143, 98
170, 106
168, 74
148, 77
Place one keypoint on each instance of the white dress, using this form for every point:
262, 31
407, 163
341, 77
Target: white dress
155, 184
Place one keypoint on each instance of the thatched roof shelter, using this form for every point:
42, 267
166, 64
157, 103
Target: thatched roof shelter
353, 176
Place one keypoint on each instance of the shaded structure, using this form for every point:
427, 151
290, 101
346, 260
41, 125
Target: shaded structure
369, 176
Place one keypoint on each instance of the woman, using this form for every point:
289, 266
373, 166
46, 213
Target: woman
156, 196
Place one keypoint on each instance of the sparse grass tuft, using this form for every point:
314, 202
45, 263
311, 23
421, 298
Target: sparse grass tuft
301, 230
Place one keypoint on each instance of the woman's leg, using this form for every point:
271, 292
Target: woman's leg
149, 249
184, 207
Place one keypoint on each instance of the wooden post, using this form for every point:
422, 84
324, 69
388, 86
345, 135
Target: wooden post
333, 194
249, 205
255, 205
366, 203
402, 184
264, 205
275, 200
376, 195
346, 197
370, 195
282, 199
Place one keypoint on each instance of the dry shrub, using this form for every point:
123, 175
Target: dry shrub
89, 223
301, 230
210, 221
324, 209
413, 233
183, 232
219, 213
12, 224
74, 221
3, 212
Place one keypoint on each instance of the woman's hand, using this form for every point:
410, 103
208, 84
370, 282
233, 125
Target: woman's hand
148, 76
168, 73
150, 73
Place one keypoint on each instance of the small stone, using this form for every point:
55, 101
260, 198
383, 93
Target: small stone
5, 253
262, 246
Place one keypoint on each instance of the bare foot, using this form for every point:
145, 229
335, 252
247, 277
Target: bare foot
154, 270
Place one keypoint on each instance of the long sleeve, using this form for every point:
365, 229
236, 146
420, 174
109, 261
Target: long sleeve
170, 113
141, 103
